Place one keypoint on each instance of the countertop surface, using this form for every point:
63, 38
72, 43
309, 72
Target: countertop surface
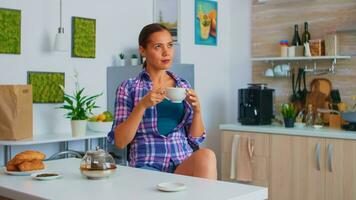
126, 183
324, 132
50, 138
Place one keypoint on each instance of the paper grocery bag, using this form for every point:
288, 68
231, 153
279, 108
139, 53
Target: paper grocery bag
15, 112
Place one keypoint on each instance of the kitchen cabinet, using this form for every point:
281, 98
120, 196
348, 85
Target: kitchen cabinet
312, 168
340, 169
298, 167
260, 158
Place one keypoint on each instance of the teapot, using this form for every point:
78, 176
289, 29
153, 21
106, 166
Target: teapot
97, 164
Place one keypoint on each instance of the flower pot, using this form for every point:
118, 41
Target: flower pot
78, 127
134, 61
289, 122
121, 62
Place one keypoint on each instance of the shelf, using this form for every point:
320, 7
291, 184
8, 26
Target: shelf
347, 29
48, 138
300, 58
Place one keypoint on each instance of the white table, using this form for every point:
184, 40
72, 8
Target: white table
127, 183
63, 138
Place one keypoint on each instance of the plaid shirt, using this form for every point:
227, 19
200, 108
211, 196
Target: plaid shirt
149, 148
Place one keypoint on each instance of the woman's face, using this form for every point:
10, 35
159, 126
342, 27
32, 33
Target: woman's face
159, 50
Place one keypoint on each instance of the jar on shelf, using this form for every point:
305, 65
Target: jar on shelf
284, 48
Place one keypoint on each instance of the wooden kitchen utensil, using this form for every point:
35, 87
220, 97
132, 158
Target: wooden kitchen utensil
319, 96
335, 121
322, 84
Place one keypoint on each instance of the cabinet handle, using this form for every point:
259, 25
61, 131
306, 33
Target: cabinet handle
317, 152
330, 157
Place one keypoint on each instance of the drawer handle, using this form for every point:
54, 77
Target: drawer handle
330, 157
317, 152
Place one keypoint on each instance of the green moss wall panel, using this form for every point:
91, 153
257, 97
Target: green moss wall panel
83, 37
10, 31
45, 86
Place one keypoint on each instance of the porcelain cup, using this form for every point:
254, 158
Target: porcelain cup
175, 94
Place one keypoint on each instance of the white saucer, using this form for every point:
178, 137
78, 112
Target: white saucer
171, 187
44, 178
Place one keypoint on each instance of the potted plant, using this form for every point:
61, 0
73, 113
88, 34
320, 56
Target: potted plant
121, 59
78, 107
134, 60
289, 112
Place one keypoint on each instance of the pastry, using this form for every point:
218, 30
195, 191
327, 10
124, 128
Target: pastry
26, 161
31, 165
11, 166
28, 156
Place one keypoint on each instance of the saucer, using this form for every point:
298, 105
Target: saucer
44, 176
171, 186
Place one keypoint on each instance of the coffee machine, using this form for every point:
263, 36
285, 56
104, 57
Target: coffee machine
255, 104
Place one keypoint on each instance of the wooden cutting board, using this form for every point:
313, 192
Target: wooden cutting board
319, 95
321, 84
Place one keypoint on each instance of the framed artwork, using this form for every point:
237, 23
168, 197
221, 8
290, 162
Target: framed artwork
10, 31
166, 13
206, 22
45, 86
83, 37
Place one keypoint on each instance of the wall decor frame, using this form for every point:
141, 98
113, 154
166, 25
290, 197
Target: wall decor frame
206, 22
167, 13
45, 86
10, 31
83, 37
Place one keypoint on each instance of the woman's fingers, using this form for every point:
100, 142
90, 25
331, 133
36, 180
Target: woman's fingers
156, 97
193, 99
159, 91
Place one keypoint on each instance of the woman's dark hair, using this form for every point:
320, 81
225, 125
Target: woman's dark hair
146, 32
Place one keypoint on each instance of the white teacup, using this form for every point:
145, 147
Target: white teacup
175, 94
278, 70
269, 72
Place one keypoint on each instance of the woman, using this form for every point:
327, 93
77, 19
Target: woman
160, 133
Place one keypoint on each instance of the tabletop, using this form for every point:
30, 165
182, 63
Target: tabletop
126, 183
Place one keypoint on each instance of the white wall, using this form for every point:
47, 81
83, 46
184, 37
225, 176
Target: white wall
219, 71
240, 51
118, 24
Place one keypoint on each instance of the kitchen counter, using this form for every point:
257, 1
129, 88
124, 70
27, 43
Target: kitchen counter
324, 132
126, 183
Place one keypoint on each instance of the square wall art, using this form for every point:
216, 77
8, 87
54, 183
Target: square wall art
166, 13
10, 31
206, 22
83, 37
45, 86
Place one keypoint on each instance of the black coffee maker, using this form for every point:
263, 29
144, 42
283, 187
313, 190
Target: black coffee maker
255, 105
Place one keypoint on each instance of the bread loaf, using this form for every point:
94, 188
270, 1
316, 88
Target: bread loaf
26, 161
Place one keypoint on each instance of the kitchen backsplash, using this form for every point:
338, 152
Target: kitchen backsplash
273, 21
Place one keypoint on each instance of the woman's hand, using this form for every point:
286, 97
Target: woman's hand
152, 98
193, 100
